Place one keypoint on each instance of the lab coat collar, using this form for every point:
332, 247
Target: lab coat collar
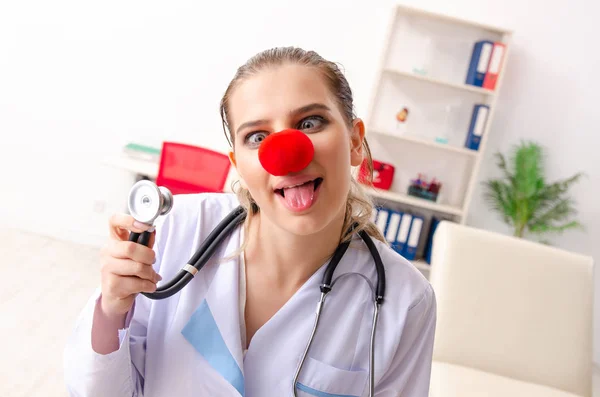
214, 328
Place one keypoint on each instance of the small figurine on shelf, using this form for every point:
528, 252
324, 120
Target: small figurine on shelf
401, 117
426, 190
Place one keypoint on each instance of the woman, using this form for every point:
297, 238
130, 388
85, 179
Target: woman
241, 326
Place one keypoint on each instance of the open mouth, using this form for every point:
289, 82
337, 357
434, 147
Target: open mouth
315, 182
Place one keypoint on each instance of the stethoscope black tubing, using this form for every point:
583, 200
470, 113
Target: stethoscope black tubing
200, 257
380, 290
214, 239
337, 256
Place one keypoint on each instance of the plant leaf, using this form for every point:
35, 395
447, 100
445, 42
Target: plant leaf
522, 196
498, 197
501, 162
549, 221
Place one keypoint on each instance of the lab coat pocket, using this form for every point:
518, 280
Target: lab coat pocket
320, 379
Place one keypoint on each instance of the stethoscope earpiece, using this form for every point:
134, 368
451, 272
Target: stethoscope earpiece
147, 201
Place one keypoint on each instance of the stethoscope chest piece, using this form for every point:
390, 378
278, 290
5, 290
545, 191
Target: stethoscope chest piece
147, 201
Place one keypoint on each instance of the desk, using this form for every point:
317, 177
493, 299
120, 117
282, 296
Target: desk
134, 165
149, 168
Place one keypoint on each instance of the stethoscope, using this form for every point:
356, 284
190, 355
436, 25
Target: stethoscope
147, 202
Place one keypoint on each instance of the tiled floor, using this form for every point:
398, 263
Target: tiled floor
45, 284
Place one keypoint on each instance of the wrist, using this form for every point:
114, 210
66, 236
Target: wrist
109, 314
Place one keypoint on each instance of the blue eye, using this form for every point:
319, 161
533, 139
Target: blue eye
312, 123
255, 138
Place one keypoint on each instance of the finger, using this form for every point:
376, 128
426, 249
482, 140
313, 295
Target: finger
127, 267
131, 250
134, 285
122, 287
121, 224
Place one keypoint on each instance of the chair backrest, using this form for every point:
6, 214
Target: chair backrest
513, 307
192, 169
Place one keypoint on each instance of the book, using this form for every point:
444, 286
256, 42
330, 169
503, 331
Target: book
491, 77
142, 152
480, 60
477, 126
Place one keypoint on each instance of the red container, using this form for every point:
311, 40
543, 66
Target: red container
383, 175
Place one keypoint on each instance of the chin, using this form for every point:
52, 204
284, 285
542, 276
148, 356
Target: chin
305, 225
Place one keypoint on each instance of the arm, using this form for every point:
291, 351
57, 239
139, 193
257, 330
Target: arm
410, 371
119, 373
106, 352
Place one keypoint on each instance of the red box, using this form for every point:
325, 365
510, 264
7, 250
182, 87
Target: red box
383, 175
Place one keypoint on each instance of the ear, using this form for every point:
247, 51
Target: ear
356, 142
232, 158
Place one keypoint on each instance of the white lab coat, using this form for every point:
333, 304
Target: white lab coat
190, 345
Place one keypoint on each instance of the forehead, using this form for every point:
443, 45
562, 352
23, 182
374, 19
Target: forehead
275, 91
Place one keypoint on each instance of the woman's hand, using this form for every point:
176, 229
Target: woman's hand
126, 267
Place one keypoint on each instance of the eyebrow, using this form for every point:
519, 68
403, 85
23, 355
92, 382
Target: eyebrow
303, 109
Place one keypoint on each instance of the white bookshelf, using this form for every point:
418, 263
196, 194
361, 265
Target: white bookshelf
423, 67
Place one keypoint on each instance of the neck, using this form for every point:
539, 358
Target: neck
288, 259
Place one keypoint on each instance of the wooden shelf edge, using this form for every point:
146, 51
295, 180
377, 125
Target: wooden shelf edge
414, 201
424, 142
463, 87
452, 19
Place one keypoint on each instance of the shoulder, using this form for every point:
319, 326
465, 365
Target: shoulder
406, 287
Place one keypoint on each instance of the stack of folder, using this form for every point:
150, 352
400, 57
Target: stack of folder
404, 231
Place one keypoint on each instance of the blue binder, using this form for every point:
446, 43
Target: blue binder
480, 60
402, 236
477, 126
414, 236
382, 220
434, 224
393, 225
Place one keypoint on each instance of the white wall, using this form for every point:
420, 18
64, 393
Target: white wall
78, 79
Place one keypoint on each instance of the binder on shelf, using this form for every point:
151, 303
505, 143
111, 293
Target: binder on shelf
382, 220
477, 126
414, 236
480, 61
491, 77
402, 237
392, 227
429, 244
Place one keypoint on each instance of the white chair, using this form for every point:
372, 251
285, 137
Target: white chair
514, 316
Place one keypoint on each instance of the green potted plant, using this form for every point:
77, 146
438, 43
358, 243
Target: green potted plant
523, 197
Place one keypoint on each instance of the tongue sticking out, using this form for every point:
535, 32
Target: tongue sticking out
299, 197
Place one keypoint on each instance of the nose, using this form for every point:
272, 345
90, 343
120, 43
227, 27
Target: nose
285, 152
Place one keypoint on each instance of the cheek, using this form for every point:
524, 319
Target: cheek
250, 169
333, 153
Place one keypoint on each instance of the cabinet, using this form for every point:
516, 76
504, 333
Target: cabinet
421, 109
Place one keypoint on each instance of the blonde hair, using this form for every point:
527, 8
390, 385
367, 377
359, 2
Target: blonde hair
359, 207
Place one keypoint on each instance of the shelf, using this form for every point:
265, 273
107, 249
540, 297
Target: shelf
463, 87
425, 142
450, 19
414, 201
421, 265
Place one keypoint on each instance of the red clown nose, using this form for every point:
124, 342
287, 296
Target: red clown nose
286, 151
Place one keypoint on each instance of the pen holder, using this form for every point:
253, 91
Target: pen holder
426, 190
